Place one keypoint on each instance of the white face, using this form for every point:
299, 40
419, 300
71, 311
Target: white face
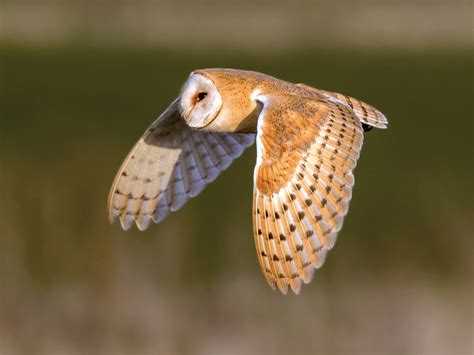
200, 102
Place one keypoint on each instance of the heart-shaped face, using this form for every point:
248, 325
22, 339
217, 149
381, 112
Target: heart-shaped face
200, 101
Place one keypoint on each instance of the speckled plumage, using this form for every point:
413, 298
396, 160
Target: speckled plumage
308, 143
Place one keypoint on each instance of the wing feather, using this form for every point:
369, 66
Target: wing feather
308, 148
170, 164
365, 113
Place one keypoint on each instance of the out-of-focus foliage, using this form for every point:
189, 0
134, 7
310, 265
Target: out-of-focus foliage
398, 281
251, 24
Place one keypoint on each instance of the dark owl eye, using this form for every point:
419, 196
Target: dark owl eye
201, 96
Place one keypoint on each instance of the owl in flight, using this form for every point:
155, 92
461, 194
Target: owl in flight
308, 142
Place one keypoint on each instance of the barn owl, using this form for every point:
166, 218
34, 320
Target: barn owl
307, 140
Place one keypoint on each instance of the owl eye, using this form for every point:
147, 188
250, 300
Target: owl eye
201, 96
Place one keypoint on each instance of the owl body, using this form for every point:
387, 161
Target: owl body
308, 143
239, 90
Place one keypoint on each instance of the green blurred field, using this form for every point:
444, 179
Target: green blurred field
398, 281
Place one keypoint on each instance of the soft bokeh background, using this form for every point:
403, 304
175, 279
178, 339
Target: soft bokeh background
80, 82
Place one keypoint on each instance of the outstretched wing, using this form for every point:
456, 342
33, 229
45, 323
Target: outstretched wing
170, 163
364, 112
306, 151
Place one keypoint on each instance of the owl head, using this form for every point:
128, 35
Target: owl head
218, 100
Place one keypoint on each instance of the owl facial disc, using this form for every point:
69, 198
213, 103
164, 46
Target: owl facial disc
200, 101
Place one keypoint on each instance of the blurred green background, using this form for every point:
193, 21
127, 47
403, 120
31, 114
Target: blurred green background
74, 101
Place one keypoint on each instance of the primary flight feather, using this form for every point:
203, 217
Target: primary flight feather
308, 143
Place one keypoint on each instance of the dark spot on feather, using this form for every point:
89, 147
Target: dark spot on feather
319, 218
259, 231
323, 202
298, 186
309, 233
270, 235
288, 258
308, 202
301, 215
292, 227
282, 237
275, 258
266, 213
285, 207
277, 216
317, 250
299, 247
263, 253
292, 196
312, 188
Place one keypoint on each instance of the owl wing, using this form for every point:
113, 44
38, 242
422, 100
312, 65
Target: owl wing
367, 114
170, 163
306, 151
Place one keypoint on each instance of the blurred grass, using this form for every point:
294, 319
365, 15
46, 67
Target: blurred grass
69, 114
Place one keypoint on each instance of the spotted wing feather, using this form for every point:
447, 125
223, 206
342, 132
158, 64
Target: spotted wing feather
365, 113
306, 151
170, 163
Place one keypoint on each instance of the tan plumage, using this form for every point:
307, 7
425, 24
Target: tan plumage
308, 143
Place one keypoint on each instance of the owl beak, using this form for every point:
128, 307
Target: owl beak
184, 112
